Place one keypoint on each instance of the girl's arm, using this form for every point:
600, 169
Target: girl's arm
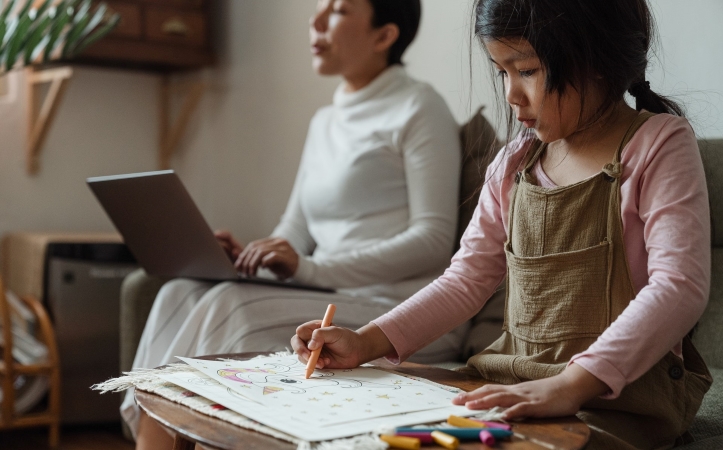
672, 201
431, 156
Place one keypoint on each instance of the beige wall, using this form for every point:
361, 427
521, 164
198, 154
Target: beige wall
241, 151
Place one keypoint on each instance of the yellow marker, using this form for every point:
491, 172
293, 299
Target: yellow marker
445, 440
401, 442
463, 422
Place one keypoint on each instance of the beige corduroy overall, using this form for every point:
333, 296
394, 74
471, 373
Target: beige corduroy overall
567, 280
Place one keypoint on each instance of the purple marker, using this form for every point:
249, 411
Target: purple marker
424, 437
486, 438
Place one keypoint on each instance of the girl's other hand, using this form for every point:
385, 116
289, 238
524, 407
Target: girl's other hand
342, 347
231, 246
275, 254
560, 395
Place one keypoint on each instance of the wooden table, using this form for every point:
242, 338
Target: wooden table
191, 427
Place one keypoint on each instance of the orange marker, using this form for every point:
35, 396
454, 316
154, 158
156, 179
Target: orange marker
406, 443
311, 364
463, 422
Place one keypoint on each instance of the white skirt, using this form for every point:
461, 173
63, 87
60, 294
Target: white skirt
193, 318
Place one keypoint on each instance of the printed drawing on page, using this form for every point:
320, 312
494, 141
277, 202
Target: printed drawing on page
333, 396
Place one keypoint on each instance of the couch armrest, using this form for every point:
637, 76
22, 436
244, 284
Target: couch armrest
138, 292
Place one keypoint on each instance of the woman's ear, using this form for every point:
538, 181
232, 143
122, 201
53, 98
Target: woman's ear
387, 35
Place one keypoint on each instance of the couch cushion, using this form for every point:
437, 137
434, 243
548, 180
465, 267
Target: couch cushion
708, 422
714, 443
707, 337
479, 147
712, 153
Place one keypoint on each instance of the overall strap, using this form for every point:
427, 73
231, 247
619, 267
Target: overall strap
534, 155
613, 172
614, 169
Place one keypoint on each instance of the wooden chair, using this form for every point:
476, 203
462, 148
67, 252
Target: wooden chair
9, 369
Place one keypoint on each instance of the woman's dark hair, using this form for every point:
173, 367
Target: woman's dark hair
605, 42
405, 14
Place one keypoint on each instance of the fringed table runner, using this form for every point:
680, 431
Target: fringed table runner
148, 380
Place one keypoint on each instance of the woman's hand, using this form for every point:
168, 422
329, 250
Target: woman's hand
342, 348
561, 395
275, 254
231, 246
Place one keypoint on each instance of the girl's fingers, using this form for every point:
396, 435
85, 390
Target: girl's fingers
504, 399
519, 411
487, 389
300, 349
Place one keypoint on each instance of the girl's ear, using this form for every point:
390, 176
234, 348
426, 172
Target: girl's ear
387, 35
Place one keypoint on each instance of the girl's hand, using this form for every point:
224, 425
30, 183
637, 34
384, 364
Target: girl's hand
342, 347
275, 254
230, 245
561, 395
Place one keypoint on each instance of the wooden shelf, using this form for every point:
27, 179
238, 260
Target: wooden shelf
163, 36
158, 35
39, 121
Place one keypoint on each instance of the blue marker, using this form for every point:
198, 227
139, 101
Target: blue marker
467, 434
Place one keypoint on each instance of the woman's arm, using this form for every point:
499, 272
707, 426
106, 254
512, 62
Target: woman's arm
431, 155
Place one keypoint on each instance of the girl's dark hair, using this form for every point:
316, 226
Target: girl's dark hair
405, 14
581, 44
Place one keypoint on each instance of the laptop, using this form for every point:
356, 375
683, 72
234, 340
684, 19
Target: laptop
165, 231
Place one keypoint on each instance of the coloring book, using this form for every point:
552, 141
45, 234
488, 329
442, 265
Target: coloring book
329, 405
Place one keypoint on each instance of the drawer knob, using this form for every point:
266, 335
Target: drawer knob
175, 26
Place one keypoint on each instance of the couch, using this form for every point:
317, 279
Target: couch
139, 290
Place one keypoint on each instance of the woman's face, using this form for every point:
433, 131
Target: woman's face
343, 40
551, 115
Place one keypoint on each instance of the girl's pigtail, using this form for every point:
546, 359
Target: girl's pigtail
648, 100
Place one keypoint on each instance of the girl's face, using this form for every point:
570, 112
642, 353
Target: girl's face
551, 115
343, 40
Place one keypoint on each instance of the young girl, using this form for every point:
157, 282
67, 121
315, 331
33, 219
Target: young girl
596, 214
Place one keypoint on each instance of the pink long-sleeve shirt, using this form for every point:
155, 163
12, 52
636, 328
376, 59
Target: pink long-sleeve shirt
666, 226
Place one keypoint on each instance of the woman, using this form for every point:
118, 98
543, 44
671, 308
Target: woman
372, 213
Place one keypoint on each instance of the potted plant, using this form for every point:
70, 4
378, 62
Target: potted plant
39, 31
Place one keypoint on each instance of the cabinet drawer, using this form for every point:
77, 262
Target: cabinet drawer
183, 3
130, 19
175, 27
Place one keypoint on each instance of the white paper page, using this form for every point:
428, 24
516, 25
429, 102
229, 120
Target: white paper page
302, 427
334, 396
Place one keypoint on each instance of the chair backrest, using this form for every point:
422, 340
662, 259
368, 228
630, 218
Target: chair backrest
479, 147
707, 337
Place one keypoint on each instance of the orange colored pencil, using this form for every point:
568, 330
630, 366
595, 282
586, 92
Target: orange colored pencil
311, 364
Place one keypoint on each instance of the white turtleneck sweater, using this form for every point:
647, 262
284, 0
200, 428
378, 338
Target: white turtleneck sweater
374, 207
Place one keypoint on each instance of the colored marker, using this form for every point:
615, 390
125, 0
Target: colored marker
407, 443
445, 440
311, 363
500, 425
486, 438
424, 438
465, 434
463, 422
